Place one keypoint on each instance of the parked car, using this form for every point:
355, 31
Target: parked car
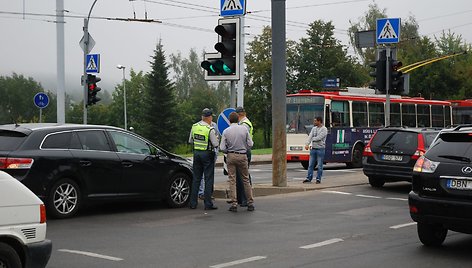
23, 240
68, 165
392, 152
441, 196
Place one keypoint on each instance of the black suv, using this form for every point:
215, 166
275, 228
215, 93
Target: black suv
66, 165
392, 152
441, 196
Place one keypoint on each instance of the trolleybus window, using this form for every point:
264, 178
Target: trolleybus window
437, 116
300, 113
340, 114
409, 115
395, 115
359, 113
423, 115
376, 114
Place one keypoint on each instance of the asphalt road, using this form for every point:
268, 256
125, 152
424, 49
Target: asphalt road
355, 226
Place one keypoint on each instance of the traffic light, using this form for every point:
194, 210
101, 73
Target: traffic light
224, 65
379, 73
396, 77
93, 89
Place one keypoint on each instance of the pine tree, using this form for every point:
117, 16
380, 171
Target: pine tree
160, 106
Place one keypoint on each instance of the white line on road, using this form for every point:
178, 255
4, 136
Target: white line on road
255, 258
91, 254
396, 198
336, 192
324, 243
368, 196
402, 225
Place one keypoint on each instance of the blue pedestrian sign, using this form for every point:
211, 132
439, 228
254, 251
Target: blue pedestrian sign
232, 7
388, 30
41, 100
93, 63
223, 119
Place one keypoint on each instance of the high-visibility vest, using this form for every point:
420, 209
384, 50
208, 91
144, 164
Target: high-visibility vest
247, 122
201, 137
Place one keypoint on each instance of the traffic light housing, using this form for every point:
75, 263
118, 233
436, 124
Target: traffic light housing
224, 65
396, 80
379, 73
92, 89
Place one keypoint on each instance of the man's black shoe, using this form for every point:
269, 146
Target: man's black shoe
307, 181
192, 207
318, 181
250, 208
211, 208
243, 204
233, 209
229, 201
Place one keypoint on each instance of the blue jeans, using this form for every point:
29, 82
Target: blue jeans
203, 166
317, 154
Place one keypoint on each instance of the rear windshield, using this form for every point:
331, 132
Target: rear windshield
395, 140
10, 140
449, 145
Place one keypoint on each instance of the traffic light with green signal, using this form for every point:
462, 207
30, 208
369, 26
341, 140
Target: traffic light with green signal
379, 72
224, 65
92, 89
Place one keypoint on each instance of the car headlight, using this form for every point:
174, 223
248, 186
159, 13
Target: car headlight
425, 165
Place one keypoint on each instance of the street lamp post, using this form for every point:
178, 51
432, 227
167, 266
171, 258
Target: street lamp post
124, 94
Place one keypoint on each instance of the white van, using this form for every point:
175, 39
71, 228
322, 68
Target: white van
23, 240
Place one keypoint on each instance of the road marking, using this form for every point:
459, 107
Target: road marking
336, 192
402, 225
396, 198
91, 254
368, 196
324, 243
227, 264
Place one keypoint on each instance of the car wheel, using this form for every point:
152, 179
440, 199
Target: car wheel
356, 157
178, 191
305, 164
431, 234
8, 257
64, 199
376, 182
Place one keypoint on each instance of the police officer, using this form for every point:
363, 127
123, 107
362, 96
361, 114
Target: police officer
204, 139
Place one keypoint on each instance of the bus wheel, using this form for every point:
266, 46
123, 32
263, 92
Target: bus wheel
305, 164
356, 157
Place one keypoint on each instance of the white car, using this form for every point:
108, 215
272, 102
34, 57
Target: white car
23, 240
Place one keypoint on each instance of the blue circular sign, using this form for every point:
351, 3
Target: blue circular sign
223, 119
41, 100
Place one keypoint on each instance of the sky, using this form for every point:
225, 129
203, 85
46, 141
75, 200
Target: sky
28, 31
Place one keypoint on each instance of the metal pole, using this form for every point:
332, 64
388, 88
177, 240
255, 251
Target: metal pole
124, 98
40, 115
279, 88
61, 114
387, 88
232, 97
241, 64
86, 51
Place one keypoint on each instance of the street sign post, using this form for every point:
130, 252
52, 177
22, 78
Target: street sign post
92, 63
232, 8
41, 101
223, 119
388, 30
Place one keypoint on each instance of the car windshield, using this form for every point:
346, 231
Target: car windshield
10, 140
452, 147
395, 140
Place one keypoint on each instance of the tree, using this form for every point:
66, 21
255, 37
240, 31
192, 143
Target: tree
320, 55
160, 104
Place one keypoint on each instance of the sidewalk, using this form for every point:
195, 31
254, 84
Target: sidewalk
221, 190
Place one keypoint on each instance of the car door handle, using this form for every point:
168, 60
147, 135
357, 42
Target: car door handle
126, 164
85, 163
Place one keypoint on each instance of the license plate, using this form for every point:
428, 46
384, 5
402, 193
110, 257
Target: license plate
390, 157
296, 148
459, 184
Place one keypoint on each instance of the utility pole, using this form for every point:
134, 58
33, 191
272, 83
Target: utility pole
60, 90
241, 64
86, 51
279, 89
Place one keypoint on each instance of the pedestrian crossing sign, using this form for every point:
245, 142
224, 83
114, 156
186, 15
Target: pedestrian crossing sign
388, 30
232, 7
92, 63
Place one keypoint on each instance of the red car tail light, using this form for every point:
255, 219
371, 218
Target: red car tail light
421, 149
16, 163
42, 213
367, 149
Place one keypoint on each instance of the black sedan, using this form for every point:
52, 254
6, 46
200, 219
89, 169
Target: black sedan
69, 165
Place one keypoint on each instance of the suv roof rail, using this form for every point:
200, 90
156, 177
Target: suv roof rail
462, 126
395, 126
